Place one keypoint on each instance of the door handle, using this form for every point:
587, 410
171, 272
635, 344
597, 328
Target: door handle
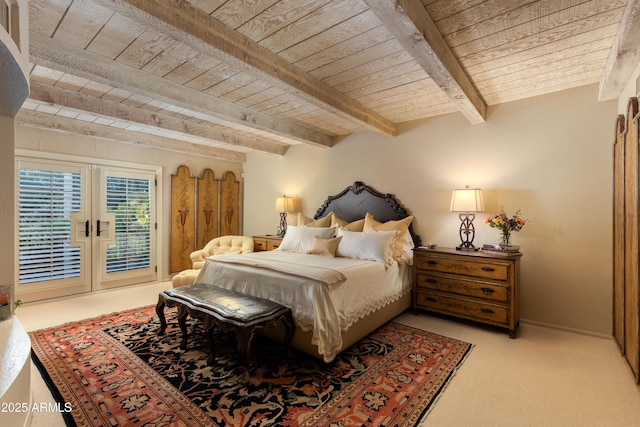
87, 228
98, 228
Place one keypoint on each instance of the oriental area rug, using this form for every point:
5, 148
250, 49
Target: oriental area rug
115, 370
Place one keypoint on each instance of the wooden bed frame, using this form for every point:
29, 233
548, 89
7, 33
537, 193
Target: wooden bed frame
352, 204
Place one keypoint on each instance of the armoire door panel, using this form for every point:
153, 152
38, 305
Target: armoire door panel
618, 233
626, 238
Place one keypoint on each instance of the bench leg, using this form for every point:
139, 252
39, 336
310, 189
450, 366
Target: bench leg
290, 327
244, 336
209, 330
160, 313
182, 321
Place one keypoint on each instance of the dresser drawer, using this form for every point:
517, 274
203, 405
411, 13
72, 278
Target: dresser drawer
486, 269
475, 289
463, 308
273, 244
260, 245
266, 242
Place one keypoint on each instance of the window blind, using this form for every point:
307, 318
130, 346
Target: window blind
46, 200
129, 199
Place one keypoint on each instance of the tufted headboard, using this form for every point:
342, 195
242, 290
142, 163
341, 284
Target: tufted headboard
355, 201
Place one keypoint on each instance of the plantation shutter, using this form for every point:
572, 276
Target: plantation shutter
129, 200
47, 200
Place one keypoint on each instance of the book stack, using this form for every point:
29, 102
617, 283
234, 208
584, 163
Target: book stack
494, 247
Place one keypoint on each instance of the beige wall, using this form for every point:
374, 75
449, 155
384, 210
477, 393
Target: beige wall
6, 200
89, 148
549, 156
631, 89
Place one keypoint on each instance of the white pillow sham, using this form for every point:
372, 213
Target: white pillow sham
300, 239
374, 246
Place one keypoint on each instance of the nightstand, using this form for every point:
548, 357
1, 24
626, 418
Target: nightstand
267, 242
479, 286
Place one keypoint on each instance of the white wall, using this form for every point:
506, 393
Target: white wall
90, 148
549, 156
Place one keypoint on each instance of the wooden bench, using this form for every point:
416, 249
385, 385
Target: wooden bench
227, 310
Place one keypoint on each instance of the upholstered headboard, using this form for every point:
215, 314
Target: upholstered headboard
355, 201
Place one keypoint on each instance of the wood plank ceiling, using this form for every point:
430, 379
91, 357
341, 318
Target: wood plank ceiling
225, 77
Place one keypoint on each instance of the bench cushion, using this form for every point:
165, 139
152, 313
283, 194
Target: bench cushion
224, 303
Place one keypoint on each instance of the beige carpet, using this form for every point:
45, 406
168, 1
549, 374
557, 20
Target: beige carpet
545, 377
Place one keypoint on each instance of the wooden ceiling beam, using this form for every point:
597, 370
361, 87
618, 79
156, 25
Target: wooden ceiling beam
414, 29
63, 57
101, 107
204, 33
35, 119
624, 56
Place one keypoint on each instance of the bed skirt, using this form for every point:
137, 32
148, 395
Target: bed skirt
302, 340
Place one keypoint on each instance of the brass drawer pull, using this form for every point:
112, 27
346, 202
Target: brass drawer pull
431, 281
487, 291
486, 310
431, 262
431, 299
488, 269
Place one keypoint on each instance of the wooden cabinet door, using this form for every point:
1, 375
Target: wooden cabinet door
626, 238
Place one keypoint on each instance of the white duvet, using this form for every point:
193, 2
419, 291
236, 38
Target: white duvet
326, 295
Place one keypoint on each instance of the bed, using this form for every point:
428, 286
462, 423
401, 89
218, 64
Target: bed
343, 273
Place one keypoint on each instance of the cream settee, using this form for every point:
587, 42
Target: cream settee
219, 245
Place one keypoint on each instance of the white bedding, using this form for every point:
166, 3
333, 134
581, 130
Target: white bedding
337, 292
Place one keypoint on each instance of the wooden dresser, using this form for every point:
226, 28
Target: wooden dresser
479, 286
267, 242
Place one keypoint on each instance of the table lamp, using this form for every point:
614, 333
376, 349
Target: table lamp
467, 201
284, 204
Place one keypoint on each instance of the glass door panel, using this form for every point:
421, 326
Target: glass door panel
125, 235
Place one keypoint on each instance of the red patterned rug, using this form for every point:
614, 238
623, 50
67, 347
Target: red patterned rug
114, 370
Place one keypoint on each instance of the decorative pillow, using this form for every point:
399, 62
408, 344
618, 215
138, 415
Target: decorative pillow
300, 239
402, 225
325, 247
374, 246
356, 225
310, 222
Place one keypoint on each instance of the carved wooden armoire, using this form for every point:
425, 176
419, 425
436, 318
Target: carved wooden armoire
626, 237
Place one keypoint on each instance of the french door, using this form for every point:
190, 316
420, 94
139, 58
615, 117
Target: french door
83, 227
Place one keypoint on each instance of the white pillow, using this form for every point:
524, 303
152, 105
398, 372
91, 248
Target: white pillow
407, 253
374, 246
300, 239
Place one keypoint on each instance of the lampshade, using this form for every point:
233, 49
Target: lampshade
467, 200
285, 204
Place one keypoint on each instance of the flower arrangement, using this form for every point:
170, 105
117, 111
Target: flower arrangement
506, 224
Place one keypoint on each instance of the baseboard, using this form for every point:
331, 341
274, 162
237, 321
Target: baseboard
566, 329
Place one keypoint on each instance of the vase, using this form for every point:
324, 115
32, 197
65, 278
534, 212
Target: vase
6, 301
505, 238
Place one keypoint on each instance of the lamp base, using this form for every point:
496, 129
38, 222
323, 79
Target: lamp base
467, 248
282, 229
467, 232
